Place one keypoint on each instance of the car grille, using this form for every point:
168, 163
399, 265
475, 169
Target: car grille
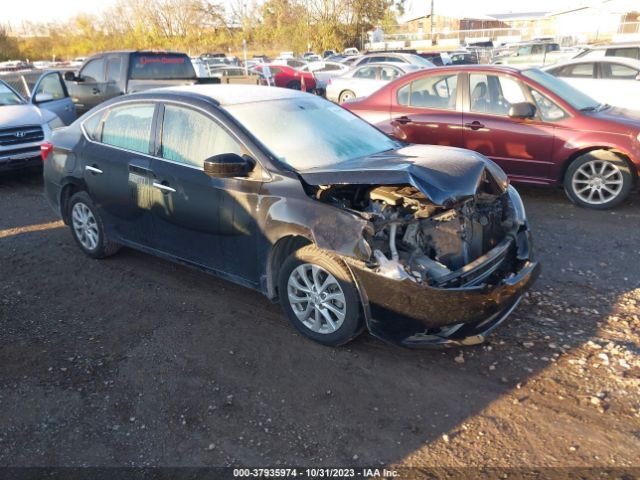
19, 135
478, 270
20, 151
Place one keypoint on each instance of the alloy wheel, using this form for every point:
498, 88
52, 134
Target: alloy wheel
85, 226
597, 182
316, 298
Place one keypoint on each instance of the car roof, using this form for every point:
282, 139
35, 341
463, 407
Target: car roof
613, 45
225, 95
402, 66
630, 62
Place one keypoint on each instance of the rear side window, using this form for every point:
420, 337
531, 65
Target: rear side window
579, 70
617, 71
129, 127
154, 66
190, 137
432, 91
628, 52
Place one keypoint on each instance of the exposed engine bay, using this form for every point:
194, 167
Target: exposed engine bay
413, 238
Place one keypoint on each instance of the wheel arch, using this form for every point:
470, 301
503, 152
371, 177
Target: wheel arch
622, 155
284, 247
68, 190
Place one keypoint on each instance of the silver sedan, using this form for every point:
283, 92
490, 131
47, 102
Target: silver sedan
364, 80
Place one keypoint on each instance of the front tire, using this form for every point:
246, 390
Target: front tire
87, 227
294, 85
319, 297
346, 96
598, 180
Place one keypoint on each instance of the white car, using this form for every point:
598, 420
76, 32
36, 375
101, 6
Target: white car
25, 124
612, 80
323, 71
364, 80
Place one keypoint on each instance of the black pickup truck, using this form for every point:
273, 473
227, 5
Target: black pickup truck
109, 74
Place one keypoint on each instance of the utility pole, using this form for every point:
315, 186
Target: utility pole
432, 24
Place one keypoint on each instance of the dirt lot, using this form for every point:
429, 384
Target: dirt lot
137, 361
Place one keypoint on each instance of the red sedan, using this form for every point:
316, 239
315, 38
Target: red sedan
538, 128
288, 77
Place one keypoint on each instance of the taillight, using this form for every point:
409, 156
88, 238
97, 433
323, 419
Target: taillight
45, 149
329, 82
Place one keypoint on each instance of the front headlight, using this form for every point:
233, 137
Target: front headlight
55, 122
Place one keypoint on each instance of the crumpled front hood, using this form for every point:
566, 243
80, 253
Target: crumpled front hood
19, 115
444, 174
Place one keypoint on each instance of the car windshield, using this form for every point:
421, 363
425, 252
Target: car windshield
562, 89
307, 133
8, 96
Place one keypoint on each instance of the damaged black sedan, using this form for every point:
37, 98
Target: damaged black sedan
291, 195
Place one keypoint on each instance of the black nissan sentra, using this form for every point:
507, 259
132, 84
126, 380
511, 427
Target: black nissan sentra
291, 195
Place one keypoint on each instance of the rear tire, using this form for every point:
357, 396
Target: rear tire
87, 227
294, 85
318, 295
598, 180
346, 95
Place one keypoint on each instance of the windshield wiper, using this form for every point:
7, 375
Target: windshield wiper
603, 106
589, 109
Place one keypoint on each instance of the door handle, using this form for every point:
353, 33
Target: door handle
164, 188
95, 91
403, 120
93, 169
475, 125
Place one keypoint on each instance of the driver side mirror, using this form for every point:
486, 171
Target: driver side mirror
522, 110
71, 77
227, 165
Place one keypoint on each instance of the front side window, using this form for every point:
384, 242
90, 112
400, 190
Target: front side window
432, 91
93, 71
494, 94
113, 69
549, 111
190, 137
389, 73
129, 127
366, 72
51, 85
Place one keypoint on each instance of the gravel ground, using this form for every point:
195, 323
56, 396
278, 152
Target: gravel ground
135, 361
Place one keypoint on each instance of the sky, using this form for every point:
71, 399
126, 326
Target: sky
15, 12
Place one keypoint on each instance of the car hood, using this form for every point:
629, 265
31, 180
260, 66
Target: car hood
630, 118
26, 114
444, 174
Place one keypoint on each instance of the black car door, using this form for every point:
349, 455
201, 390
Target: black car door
87, 90
203, 220
117, 173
